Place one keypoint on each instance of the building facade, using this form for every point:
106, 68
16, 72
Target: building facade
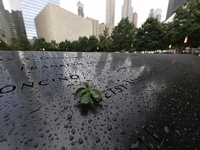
127, 10
151, 13
80, 9
172, 5
98, 28
157, 14
30, 9
56, 23
110, 12
5, 33
95, 26
16, 23
135, 18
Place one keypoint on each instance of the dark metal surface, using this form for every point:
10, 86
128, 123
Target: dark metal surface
152, 101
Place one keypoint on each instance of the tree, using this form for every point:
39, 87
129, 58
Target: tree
40, 44
3, 45
149, 36
76, 46
65, 46
92, 43
167, 39
52, 45
24, 44
105, 41
187, 23
140, 42
123, 35
83, 41
20, 44
14, 44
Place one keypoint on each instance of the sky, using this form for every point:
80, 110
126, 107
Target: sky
96, 9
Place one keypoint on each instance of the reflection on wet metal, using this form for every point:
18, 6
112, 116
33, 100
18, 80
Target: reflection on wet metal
151, 101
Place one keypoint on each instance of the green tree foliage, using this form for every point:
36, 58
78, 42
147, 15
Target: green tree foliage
149, 36
92, 43
123, 35
40, 44
65, 46
76, 46
24, 44
104, 41
52, 46
187, 23
83, 44
3, 45
21, 44
14, 44
167, 35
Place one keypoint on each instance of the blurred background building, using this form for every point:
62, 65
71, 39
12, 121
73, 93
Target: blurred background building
80, 9
30, 9
172, 6
157, 14
5, 33
127, 10
151, 13
135, 18
110, 12
16, 24
56, 23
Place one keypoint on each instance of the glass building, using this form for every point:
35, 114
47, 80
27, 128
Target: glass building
30, 9
5, 33
172, 6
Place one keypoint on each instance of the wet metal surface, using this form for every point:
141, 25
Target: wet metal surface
152, 101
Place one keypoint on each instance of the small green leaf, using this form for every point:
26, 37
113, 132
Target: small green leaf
85, 84
79, 92
97, 95
90, 86
85, 98
102, 94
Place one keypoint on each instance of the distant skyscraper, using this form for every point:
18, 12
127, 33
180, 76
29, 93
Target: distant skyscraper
157, 14
16, 23
110, 12
172, 6
30, 9
135, 18
5, 34
80, 9
127, 10
151, 13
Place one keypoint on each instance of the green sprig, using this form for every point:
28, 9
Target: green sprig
86, 93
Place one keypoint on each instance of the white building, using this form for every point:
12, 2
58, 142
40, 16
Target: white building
110, 12
127, 10
56, 23
80, 9
135, 18
157, 14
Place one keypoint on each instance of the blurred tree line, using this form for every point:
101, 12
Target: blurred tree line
153, 35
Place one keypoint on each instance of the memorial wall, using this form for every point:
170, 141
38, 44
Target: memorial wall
151, 101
